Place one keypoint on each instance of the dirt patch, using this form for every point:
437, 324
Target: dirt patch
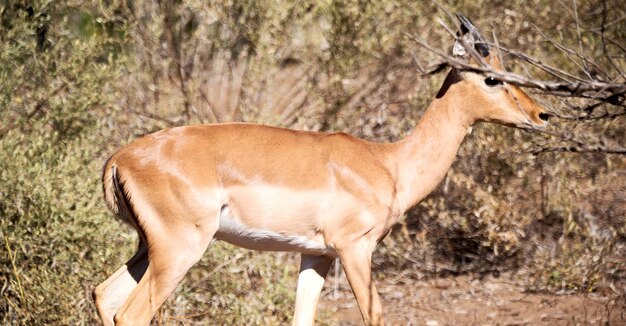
466, 301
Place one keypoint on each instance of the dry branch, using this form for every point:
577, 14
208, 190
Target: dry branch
605, 91
595, 94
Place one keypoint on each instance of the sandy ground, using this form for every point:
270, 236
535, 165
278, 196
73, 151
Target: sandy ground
466, 301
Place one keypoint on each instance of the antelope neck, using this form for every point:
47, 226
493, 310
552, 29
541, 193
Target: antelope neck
422, 159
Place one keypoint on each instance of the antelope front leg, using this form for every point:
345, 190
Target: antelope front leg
357, 263
313, 271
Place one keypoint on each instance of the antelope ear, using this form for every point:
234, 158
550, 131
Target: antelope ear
458, 50
471, 36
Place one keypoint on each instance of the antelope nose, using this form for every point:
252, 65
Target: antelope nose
544, 116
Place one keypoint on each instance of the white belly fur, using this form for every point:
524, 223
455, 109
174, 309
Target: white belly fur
233, 231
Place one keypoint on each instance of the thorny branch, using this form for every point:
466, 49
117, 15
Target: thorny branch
600, 86
609, 92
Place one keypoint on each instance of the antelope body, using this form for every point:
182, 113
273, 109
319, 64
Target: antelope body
266, 188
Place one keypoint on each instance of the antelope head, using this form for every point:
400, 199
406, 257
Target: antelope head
486, 98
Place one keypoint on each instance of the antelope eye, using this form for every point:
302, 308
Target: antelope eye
491, 82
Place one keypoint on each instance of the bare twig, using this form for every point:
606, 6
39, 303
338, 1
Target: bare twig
580, 149
590, 89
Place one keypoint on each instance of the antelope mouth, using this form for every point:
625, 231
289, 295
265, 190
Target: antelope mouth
537, 121
531, 125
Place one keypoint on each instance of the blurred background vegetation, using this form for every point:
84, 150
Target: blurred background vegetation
79, 79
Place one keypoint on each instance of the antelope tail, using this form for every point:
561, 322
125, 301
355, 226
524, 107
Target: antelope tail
116, 196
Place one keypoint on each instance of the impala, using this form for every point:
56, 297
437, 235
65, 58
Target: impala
324, 195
